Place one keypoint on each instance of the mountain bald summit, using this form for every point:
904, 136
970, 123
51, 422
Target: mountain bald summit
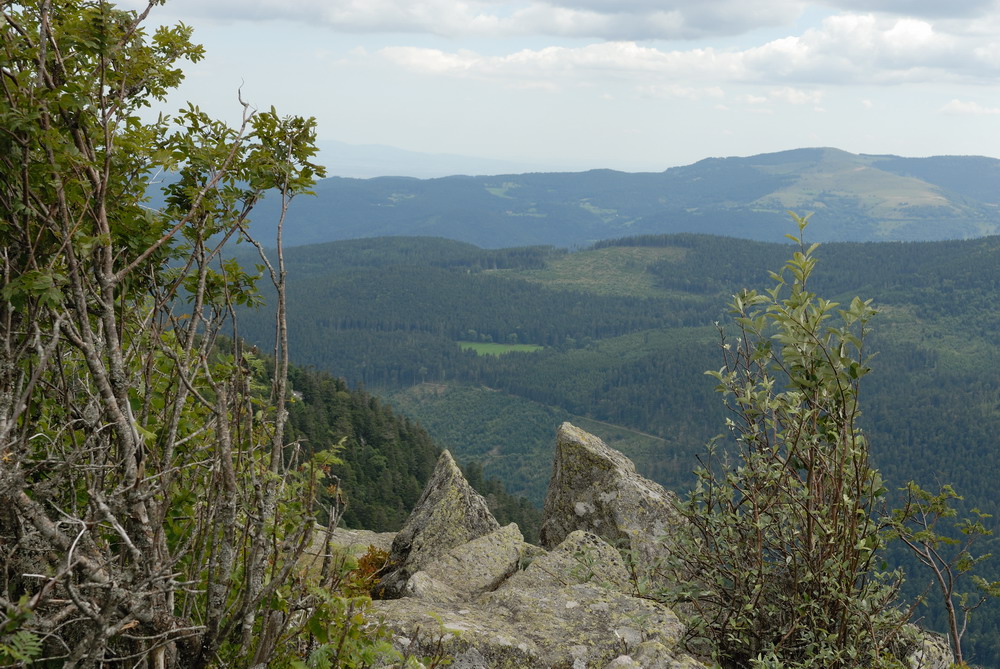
861, 198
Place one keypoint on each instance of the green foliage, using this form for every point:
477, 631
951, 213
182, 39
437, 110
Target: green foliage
17, 646
343, 635
152, 510
947, 554
338, 627
778, 557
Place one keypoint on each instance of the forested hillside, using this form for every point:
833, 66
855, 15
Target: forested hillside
627, 330
385, 458
859, 197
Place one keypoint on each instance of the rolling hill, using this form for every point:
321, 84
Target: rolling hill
855, 197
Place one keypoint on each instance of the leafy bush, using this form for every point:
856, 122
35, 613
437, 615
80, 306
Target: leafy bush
778, 557
152, 509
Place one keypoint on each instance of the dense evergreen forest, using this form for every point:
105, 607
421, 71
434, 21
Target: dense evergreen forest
385, 458
628, 329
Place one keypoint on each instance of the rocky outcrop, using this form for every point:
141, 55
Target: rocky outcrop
482, 564
927, 650
357, 542
567, 608
448, 514
596, 488
462, 586
478, 592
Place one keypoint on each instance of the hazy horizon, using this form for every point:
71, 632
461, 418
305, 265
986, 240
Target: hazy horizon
632, 85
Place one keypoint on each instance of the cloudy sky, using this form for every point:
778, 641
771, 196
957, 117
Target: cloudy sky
627, 84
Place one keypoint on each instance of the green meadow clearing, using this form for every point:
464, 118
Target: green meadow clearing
491, 348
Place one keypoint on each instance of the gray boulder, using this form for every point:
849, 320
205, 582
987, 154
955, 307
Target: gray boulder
928, 650
652, 655
576, 604
471, 636
463, 587
595, 488
449, 513
481, 564
582, 558
357, 542
568, 608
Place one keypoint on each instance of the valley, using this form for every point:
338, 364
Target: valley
623, 333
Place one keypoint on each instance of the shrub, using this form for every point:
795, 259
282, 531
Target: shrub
778, 557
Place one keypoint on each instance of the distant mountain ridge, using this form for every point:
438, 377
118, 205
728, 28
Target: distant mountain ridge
365, 161
854, 197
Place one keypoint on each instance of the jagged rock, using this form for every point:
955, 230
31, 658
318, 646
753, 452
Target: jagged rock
449, 513
470, 635
465, 587
582, 624
652, 655
424, 586
568, 608
596, 488
470, 569
576, 604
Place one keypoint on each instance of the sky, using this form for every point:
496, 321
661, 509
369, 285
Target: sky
633, 85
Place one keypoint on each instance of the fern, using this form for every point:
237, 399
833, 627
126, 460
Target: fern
21, 646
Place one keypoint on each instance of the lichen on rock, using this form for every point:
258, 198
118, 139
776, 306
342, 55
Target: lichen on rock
480, 594
482, 564
597, 489
463, 586
449, 513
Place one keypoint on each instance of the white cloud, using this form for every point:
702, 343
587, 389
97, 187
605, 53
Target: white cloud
962, 108
844, 49
613, 59
682, 92
864, 49
925, 8
620, 20
601, 19
665, 19
796, 96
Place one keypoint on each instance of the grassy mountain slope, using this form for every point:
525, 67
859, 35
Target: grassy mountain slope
856, 197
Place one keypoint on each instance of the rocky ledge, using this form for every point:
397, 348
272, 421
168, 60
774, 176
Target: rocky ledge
460, 584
